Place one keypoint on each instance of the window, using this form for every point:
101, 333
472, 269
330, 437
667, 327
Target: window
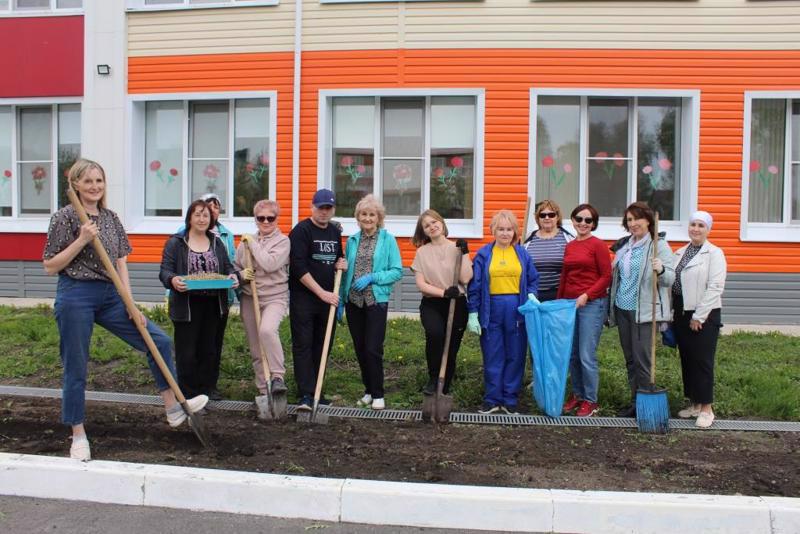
38, 145
186, 148
410, 149
610, 149
771, 172
27, 6
154, 5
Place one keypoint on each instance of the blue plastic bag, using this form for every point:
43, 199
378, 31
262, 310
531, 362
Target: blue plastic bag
550, 326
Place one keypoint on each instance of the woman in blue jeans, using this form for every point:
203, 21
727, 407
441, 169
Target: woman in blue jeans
85, 295
585, 277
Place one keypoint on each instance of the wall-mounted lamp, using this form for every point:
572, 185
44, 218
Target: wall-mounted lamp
104, 70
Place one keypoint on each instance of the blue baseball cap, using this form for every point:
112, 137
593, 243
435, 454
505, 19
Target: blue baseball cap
324, 197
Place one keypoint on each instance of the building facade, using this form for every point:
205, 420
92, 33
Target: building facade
464, 107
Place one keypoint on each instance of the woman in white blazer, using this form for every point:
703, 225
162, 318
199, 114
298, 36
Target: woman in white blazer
696, 302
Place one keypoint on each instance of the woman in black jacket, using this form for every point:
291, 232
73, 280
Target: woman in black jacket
197, 316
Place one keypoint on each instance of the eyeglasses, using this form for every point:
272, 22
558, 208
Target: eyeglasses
587, 220
267, 218
548, 215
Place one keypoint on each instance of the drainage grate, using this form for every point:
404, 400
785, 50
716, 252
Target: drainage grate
416, 415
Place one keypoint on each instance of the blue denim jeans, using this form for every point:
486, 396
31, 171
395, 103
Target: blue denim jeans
79, 304
583, 369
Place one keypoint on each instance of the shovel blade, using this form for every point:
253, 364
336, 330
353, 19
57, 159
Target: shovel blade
280, 406
428, 405
264, 408
444, 405
199, 427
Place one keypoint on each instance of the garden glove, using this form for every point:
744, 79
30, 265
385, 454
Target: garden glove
362, 282
452, 292
247, 237
532, 297
248, 274
473, 325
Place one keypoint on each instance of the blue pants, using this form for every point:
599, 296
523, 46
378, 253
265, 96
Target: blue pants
79, 304
503, 345
583, 369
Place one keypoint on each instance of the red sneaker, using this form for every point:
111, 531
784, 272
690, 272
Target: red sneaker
572, 403
588, 409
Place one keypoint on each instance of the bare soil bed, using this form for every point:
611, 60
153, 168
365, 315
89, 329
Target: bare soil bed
749, 463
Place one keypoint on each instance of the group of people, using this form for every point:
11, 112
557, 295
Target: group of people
296, 274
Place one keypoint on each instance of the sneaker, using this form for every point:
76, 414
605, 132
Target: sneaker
704, 420
572, 403
587, 409
80, 450
628, 411
323, 401
378, 404
364, 401
278, 386
215, 395
305, 404
176, 416
509, 410
430, 388
487, 408
689, 412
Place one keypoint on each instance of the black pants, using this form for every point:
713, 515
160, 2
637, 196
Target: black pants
697, 350
308, 318
368, 330
545, 295
197, 346
433, 314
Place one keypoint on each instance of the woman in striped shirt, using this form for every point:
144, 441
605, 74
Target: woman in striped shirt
546, 247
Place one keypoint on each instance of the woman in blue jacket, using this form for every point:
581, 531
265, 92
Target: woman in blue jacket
503, 277
373, 266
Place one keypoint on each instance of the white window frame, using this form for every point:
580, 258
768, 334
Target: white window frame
611, 228
385, 1
11, 11
139, 5
34, 223
472, 228
782, 232
139, 223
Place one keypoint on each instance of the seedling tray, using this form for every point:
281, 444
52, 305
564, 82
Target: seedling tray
194, 285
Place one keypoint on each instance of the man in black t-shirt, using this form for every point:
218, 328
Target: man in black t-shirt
315, 256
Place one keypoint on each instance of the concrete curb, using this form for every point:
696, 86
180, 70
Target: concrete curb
394, 503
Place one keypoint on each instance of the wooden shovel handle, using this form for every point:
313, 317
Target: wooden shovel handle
654, 276
524, 230
449, 329
133, 311
337, 281
248, 261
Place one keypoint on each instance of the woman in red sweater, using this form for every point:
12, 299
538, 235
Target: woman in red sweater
585, 277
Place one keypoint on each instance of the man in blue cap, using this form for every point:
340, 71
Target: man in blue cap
316, 255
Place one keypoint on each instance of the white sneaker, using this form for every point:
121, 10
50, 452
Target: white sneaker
80, 450
176, 416
704, 420
378, 404
364, 401
689, 412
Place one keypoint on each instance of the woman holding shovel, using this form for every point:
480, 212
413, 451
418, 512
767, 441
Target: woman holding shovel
631, 296
270, 256
434, 269
86, 295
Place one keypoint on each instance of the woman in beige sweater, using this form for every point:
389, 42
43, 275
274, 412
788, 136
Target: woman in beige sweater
270, 249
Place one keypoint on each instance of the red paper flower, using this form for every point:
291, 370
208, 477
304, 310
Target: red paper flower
755, 165
548, 161
438, 172
361, 169
402, 172
250, 167
346, 161
647, 169
38, 173
665, 164
211, 171
457, 162
263, 160
567, 168
7, 173
772, 169
155, 165
173, 171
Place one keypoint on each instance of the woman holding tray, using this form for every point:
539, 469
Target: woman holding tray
197, 315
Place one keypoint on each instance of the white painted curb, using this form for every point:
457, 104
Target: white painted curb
394, 503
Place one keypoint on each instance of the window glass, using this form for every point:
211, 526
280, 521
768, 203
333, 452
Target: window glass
3, 4
658, 162
70, 4
69, 146
558, 150
163, 185
796, 161
251, 155
32, 4
161, 2
402, 144
452, 156
767, 145
208, 150
35, 134
353, 129
6, 168
608, 157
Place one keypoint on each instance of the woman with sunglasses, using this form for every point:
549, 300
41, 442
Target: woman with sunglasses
585, 277
373, 267
270, 249
546, 247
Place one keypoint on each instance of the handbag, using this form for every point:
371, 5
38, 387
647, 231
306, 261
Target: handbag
668, 338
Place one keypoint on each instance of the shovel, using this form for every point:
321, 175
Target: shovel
314, 416
195, 420
437, 407
270, 406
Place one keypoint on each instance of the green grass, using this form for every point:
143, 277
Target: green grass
758, 375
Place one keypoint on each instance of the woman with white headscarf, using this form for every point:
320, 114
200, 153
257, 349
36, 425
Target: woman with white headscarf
696, 302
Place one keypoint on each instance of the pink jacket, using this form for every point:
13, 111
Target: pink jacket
271, 263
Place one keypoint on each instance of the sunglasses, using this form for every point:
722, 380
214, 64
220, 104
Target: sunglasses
587, 220
548, 215
267, 218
